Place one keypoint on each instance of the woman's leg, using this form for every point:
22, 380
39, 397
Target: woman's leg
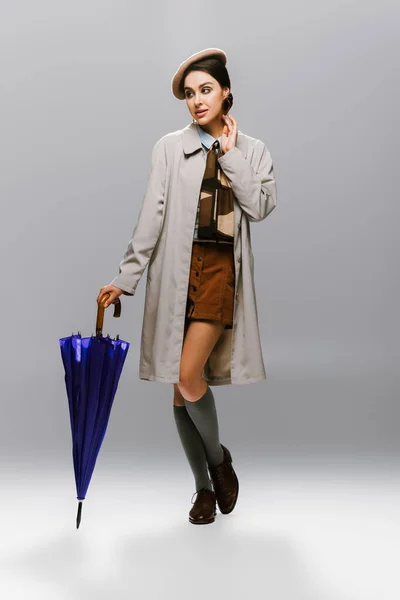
199, 341
192, 442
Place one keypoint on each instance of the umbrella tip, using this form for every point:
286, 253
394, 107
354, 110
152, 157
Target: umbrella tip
78, 516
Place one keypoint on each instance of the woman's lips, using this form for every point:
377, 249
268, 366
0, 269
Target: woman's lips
201, 114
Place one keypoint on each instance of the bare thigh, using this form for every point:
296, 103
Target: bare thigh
203, 337
178, 398
200, 338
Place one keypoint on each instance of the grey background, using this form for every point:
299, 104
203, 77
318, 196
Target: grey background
85, 93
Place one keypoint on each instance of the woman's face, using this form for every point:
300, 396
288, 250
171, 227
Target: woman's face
204, 93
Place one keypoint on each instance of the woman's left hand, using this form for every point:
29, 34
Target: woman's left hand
229, 133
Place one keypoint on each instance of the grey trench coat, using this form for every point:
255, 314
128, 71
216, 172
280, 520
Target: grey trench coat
162, 240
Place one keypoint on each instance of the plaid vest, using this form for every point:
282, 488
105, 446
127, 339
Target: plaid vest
215, 214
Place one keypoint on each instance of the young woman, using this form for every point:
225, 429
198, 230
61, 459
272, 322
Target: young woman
207, 183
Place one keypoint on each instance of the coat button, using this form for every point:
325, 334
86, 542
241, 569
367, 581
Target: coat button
199, 258
194, 288
197, 273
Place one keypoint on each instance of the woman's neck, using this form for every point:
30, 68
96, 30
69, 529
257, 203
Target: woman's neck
213, 129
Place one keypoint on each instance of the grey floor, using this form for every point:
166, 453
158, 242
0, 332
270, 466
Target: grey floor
311, 527
318, 515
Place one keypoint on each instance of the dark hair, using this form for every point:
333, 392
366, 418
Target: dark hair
214, 67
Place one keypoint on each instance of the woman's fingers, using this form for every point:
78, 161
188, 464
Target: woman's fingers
227, 123
232, 122
109, 301
103, 291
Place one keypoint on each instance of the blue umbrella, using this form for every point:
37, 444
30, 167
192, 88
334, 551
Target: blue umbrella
93, 366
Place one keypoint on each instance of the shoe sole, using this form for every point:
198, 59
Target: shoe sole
203, 521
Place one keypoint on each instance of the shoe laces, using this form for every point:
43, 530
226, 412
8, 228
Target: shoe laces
201, 490
219, 475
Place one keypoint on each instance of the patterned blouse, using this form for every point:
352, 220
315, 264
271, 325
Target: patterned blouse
207, 140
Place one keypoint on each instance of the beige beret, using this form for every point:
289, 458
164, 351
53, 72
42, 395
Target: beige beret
206, 53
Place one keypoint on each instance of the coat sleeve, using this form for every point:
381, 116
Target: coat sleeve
253, 187
148, 226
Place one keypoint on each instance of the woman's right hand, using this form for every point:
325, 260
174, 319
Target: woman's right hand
114, 292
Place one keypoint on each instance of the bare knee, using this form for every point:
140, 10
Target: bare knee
186, 378
201, 337
192, 388
190, 382
178, 398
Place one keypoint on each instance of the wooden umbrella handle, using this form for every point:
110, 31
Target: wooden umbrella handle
100, 312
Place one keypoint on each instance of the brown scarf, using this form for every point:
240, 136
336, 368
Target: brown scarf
216, 215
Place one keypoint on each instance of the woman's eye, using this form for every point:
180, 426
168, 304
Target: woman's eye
188, 94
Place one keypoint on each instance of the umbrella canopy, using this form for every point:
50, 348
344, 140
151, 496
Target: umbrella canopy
93, 366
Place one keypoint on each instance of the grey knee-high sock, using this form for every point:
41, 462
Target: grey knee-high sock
193, 446
204, 415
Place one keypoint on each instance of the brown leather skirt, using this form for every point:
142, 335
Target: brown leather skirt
211, 288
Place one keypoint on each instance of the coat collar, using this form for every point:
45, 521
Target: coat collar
192, 141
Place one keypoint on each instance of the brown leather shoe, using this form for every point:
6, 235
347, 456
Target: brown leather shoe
225, 483
204, 508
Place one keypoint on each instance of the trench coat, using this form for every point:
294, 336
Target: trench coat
162, 240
